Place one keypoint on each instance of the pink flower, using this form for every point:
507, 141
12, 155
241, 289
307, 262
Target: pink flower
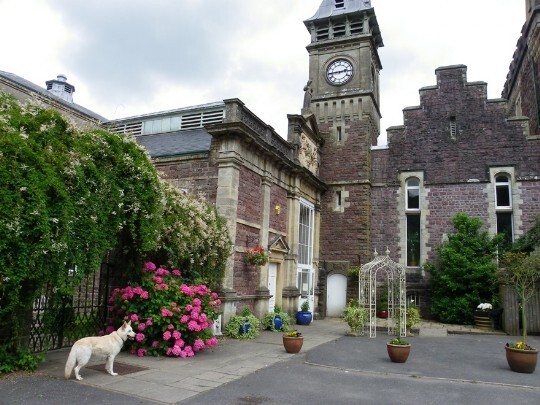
184, 319
177, 273
211, 342
149, 266
101, 333
155, 344
162, 272
176, 350
141, 327
144, 295
194, 315
134, 317
139, 337
214, 295
110, 329
157, 279
189, 307
170, 327
165, 312
179, 343
141, 352
166, 335
198, 345
194, 326
149, 322
197, 302
176, 335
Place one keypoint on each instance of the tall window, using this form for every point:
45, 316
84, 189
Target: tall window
413, 214
305, 238
503, 206
305, 251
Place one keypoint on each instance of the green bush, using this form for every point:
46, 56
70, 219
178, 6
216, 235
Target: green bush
195, 238
355, 316
268, 320
18, 360
466, 273
236, 322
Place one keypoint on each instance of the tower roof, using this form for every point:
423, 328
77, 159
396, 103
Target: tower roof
329, 8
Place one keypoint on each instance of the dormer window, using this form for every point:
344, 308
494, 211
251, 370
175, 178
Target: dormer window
340, 3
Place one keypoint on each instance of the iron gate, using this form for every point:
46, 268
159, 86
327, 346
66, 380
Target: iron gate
58, 321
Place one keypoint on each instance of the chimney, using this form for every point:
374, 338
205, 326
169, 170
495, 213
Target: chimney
61, 88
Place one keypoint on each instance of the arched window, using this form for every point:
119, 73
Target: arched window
503, 206
413, 213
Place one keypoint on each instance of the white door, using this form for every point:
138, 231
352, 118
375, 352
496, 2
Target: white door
272, 277
336, 294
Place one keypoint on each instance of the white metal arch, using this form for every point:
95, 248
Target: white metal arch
397, 293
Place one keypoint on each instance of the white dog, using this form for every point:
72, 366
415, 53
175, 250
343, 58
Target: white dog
106, 346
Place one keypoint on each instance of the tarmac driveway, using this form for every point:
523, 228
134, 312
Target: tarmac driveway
457, 369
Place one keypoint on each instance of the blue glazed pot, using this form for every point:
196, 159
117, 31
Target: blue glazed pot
303, 318
244, 328
278, 322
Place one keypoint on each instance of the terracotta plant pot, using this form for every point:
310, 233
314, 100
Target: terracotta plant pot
293, 344
398, 353
521, 361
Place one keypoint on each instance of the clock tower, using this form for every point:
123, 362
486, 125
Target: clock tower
343, 95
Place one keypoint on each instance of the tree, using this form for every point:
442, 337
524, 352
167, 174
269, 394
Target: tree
466, 272
522, 271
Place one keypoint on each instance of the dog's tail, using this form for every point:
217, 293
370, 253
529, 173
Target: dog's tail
70, 363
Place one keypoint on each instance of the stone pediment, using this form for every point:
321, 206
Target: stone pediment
278, 244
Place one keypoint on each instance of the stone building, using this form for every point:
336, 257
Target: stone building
326, 197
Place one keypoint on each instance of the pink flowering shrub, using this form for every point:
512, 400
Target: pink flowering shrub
169, 317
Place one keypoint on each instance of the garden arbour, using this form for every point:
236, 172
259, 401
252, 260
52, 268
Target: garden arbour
169, 317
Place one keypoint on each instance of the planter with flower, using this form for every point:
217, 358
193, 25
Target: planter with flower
170, 317
243, 326
256, 256
522, 272
293, 341
276, 320
398, 350
482, 316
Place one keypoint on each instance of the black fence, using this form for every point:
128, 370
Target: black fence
58, 321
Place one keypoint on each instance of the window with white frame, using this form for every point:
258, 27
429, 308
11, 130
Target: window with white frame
413, 216
305, 250
503, 206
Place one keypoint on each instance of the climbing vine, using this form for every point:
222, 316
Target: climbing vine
66, 196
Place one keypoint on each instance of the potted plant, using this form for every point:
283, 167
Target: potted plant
293, 341
356, 317
522, 272
243, 326
412, 317
256, 256
304, 317
482, 316
398, 350
276, 320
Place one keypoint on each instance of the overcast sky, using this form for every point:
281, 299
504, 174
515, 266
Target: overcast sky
130, 57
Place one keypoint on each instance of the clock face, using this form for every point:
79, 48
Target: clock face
339, 72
